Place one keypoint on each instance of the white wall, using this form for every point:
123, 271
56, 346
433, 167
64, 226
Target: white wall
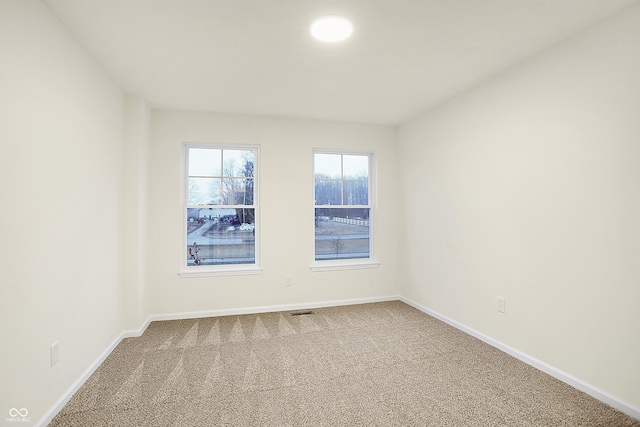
60, 161
137, 128
286, 213
528, 187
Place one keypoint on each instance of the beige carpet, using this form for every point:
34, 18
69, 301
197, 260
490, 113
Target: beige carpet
382, 364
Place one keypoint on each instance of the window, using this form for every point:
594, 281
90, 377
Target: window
342, 206
220, 209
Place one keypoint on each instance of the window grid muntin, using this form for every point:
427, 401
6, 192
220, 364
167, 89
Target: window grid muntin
228, 267
342, 179
342, 206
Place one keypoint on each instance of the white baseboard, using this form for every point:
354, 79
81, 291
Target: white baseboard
574, 382
57, 407
269, 308
132, 333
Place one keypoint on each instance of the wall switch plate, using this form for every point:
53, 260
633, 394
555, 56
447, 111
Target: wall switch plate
55, 354
501, 304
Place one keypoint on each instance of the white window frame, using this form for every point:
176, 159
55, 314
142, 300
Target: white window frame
186, 271
352, 263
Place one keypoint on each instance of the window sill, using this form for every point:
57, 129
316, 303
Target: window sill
231, 271
344, 265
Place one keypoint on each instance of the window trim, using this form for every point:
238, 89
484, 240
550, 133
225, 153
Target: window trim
185, 271
347, 263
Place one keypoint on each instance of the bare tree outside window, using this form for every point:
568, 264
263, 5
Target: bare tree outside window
338, 246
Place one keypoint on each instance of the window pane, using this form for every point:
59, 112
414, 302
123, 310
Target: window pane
205, 162
204, 191
342, 233
328, 192
238, 163
328, 166
356, 193
356, 167
220, 236
237, 191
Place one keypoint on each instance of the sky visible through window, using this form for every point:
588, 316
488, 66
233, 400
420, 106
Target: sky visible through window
353, 166
216, 176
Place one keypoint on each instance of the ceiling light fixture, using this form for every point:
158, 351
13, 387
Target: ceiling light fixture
331, 28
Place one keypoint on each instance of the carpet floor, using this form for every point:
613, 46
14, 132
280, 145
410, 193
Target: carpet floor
381, 364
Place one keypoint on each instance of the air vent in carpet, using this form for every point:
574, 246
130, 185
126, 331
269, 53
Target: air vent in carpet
301, 313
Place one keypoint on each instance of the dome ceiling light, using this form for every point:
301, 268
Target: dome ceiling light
331, 28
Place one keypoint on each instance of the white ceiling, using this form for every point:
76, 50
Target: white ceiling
257, 57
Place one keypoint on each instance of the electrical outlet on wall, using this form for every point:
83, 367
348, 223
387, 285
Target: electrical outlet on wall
501, 304
54, 353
